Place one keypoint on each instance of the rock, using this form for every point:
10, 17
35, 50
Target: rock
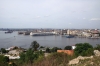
80, 57
97, 53
76, 60
91, 63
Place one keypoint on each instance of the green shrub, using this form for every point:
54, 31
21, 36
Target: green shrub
97, 47
4, 60
68, 48
83, 49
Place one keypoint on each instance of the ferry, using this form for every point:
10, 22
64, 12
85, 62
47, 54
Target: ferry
42, 34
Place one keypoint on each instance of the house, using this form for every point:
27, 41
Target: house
69, 52
43, 49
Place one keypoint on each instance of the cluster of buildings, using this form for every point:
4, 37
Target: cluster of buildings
93, 33
87, 33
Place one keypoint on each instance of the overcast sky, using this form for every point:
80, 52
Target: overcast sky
50, 14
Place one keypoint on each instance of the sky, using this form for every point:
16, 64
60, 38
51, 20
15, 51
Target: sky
50, 14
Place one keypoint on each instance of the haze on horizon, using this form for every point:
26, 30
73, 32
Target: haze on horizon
50, 14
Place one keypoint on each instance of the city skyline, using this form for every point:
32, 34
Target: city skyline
50, 14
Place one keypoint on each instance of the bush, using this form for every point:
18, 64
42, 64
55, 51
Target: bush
83, 49
30, 56
55, 59
68, 48
4, 60
97, 47
47, 50
54, 49
3, 50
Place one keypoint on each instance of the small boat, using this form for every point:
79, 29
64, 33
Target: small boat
9, 32
69, 36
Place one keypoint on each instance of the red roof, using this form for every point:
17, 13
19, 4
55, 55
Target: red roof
95, 32
69, 52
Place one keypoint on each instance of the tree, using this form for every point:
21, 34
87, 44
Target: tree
29, 57
4, 60
47, 50
34, 45
83, 49
97, 47
42, 47
3, 50
68, 48
22, 57
54, 49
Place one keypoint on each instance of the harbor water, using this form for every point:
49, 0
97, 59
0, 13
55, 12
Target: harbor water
14, 39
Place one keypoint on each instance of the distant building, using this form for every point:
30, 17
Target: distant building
68, 32
85, 34
95, 33
42, 49
64, 32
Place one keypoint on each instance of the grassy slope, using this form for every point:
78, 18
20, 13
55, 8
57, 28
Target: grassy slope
61, 59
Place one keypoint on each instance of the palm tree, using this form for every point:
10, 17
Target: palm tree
34, 45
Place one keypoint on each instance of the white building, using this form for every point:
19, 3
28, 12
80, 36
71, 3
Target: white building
73, 47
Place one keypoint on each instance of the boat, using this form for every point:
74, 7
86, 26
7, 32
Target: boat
69, 36
20, 32
42, 34
26, 33
9, 32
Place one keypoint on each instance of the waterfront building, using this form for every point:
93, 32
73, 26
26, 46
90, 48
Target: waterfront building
95, 33
64, 32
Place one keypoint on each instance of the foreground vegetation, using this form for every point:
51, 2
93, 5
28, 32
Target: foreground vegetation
33, 57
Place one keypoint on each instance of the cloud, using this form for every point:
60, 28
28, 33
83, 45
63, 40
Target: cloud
37, 16
95, 19
84, 18
46, 15
70, 23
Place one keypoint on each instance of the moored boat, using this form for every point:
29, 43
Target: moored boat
69, 36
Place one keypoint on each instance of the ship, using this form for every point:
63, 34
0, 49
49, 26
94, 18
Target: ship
42, 34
